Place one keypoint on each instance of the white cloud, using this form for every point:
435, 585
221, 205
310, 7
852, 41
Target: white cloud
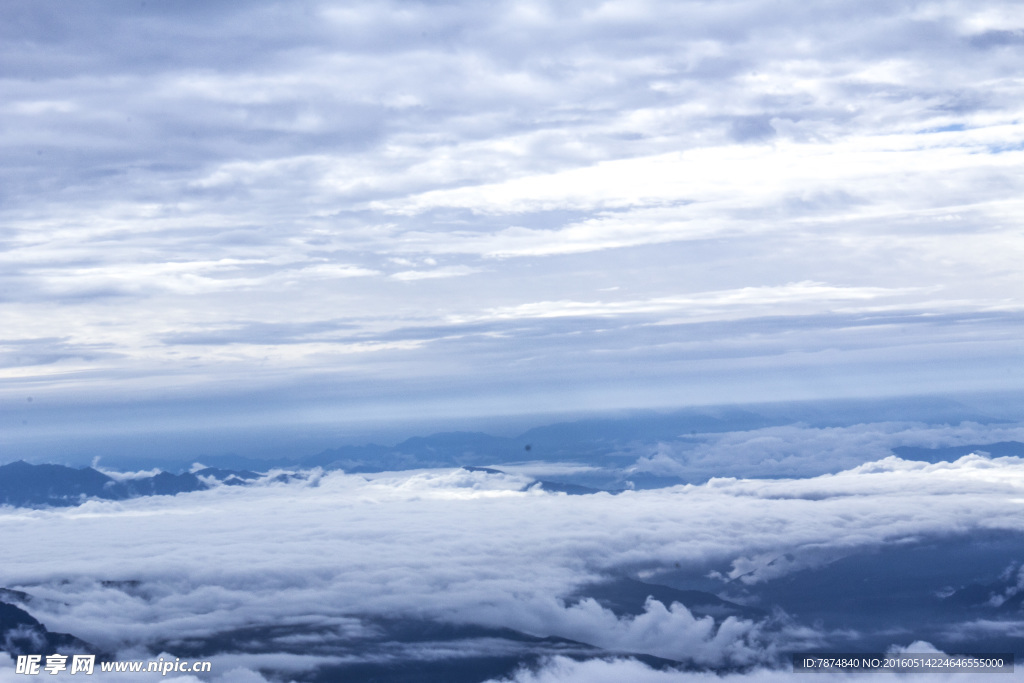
800, 450
747, 302
448, 271
741, 176
470, 547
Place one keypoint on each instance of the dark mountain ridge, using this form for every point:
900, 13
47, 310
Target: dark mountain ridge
23, 634
26, 485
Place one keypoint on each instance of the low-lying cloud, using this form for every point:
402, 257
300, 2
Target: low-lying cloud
332, 553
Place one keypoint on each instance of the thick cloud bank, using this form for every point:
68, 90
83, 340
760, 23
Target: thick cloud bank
317, 572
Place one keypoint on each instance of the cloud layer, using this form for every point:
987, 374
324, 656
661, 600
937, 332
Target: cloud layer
503, 200
332, 554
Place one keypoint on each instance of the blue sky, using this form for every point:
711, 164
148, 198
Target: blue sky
227, 214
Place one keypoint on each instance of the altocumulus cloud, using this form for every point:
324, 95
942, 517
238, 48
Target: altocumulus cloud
568, 168
330, 554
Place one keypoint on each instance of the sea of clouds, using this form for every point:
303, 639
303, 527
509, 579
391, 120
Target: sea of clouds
329, 553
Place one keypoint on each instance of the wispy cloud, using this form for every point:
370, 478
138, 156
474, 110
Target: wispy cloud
448, 271
750, 301
169, 175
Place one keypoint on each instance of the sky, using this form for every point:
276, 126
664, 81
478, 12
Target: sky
234, 215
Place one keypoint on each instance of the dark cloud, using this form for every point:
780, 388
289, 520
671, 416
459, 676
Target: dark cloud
995, 38
751, 128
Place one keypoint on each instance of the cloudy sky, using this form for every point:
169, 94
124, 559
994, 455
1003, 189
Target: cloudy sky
258, 212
